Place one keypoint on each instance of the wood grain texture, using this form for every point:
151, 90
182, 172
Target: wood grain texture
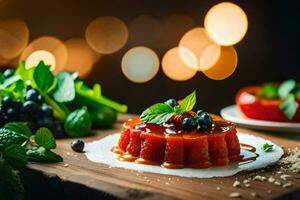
129, 184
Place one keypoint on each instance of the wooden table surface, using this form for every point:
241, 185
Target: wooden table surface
129, 184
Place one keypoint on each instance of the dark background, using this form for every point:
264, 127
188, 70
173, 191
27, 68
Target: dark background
269, 51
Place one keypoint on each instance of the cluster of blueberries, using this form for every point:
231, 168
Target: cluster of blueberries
201, 121
34, 111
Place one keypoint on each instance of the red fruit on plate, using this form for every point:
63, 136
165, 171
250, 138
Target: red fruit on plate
153, 147
134, 146
262, 109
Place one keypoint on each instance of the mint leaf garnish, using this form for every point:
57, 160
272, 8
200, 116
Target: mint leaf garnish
158, 113
15, 155
268, 91
43, 77
65, 90
286, 87
18, 127
187, 104
44, 138
267, 147
289, 106
161, 112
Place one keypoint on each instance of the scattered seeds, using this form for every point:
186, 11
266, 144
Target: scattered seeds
234, 195
259, 178
236, 184
285, 177
218, 188
271, 179
269, 191
247, 185
278, 183
66, 165
253, 194
287, 185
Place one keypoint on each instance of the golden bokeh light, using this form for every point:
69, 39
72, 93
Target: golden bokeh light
34, 59
206, 51
225, 66
174, 67
14, 36
81, 57
49, 44
226, 23
140, 64
106, 34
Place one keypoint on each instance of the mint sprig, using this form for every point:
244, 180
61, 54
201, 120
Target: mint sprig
288, 91
161, 112
267, 147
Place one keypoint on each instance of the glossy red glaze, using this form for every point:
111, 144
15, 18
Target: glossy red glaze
263, 109
153, 144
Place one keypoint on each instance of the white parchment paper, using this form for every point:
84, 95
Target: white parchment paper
100, 152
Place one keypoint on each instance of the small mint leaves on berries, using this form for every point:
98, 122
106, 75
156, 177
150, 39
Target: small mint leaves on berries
161, 112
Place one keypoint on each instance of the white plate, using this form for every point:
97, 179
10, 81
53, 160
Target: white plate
100, 152
233, 114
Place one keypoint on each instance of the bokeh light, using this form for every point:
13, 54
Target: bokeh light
226, 23
50, 44
225, 66
206, 51
106, 34
144, 30
140, 64
34, 59
174, 67
81, 57
14, 36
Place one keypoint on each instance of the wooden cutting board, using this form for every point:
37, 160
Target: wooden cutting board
129, 184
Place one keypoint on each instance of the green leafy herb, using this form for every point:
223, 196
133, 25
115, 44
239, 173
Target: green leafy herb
18, 127
78, 123
43, 77
187, 103
267, 147
158, 113
65, 91
15, 155
161, 112
296, 92
286, 87
44, 138
268, 91
86, 96
289, 106
9, 137
41, 154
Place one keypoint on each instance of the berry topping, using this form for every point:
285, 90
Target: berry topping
177, 119
77, 145
189, 123
171, 102
32, 95
204, 121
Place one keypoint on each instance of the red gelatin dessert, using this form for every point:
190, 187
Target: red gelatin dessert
271, 102
178, 140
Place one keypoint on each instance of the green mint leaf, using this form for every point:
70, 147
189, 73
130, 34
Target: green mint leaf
268, 91
41, 154
187, 104
286, 87
18, 127
9, 137
267, 147
44, 138
15, 155
296, 92
2, 78
43, 77
65, 90
289, 106
157, 114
